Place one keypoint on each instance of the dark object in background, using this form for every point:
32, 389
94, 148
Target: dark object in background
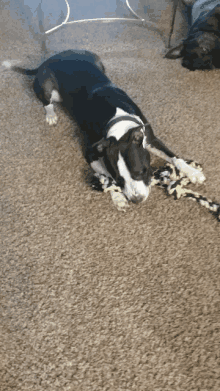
200, 50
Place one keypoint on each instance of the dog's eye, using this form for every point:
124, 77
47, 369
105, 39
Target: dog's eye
140, 173
143, 171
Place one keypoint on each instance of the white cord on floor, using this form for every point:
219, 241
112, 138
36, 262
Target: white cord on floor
105, 20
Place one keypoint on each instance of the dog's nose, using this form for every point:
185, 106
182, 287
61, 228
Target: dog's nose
138, 199
188, 65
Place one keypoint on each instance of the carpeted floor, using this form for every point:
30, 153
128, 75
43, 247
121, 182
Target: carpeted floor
95, 299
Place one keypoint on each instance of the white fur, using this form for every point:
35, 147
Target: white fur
193, 174
120, 129
99, 167
7, 64
10, 63
132, 189
119, 199
51, 117
55, 96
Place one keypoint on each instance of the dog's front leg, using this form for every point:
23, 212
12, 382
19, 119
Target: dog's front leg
156, 147
194, 175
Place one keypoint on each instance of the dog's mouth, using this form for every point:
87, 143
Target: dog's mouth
136, 191
137, 199
198, 57
198, 63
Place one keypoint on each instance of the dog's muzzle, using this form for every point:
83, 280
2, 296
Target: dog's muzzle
137, 198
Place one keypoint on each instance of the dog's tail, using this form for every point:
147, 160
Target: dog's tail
23, 71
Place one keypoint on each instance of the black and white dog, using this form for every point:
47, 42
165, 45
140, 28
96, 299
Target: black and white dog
117, 136
201, 48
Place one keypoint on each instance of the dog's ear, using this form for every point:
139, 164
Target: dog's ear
174, 53
101, 145
137, 136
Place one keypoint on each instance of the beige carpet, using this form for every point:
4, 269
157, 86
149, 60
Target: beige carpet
91, 298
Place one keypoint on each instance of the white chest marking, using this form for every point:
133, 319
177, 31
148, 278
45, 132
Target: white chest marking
132, 188
120, 129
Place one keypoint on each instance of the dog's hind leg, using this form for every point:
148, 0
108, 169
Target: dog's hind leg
46, 89
51, 117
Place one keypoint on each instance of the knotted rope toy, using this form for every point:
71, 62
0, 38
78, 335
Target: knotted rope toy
167, 177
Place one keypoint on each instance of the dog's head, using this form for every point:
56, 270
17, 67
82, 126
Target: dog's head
200, 50
128, 162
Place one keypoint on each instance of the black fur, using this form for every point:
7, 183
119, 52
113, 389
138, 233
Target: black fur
201, 48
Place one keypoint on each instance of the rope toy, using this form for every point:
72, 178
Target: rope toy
171, 179
167, 177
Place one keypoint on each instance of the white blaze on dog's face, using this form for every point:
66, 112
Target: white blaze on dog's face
134, 190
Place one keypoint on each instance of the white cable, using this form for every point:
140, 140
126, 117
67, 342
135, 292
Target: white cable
134, 13
68, 12
65, 21
105, 20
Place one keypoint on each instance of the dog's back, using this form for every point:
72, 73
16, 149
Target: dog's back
67, 55
74, 71
75, 56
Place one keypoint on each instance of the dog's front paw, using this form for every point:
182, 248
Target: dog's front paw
195, 175
103, 183
118, 198
100, 182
